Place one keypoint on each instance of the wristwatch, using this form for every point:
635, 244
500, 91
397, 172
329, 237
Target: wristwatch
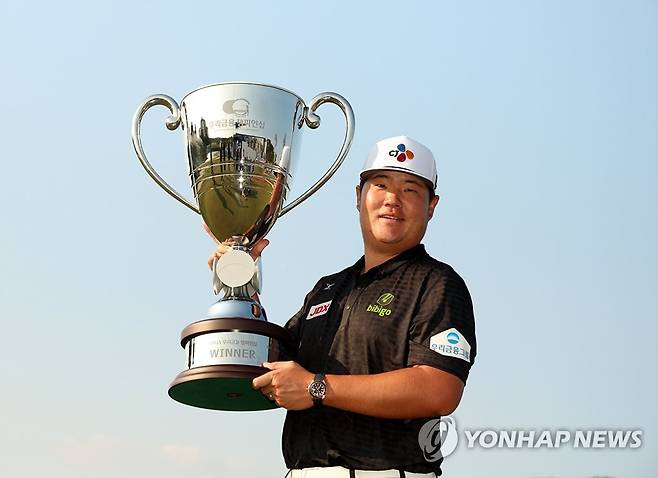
318, 389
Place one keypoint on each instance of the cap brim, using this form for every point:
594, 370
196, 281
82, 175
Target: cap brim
369, 172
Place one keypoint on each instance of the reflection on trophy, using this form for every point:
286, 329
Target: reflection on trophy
242, 145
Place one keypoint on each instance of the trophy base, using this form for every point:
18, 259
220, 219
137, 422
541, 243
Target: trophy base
220, 387
224, 354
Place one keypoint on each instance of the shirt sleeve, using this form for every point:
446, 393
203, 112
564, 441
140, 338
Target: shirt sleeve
442, 331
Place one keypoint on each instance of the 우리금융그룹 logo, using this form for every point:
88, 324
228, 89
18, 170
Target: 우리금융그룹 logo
453, 338
401, 153
451, 343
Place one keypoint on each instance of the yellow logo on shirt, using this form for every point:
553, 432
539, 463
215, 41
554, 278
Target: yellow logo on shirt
379, 308
385, 299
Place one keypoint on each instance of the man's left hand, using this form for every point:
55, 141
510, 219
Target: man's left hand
286, 384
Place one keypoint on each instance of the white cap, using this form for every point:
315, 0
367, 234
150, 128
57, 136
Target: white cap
401, 153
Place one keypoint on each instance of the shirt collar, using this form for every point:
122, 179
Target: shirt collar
390, 265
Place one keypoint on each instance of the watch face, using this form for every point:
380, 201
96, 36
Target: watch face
318, 390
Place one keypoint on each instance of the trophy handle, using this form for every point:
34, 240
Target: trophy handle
172, 122
313, 121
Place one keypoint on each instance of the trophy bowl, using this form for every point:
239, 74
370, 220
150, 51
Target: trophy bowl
242, 142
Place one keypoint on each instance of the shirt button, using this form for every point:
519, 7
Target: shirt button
348, 307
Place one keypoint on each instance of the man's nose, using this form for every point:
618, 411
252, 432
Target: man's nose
391, 199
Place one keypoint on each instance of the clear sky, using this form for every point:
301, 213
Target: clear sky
542, 115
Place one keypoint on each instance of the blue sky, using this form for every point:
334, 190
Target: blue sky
543, 119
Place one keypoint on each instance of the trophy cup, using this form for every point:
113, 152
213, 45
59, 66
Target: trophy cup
242, 141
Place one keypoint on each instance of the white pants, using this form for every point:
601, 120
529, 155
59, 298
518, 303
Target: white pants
340, 472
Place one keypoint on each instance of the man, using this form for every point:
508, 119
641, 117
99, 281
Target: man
382, 346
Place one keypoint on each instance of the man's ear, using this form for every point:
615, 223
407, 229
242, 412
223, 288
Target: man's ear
433, 202
358, 198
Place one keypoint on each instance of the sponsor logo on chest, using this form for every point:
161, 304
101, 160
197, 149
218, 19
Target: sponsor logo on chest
380, 307
318, 310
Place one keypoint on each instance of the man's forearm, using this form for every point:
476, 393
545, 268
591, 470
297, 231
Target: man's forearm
413, 392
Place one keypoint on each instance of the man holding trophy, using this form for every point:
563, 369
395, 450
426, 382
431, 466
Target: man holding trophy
380, 346
377, 349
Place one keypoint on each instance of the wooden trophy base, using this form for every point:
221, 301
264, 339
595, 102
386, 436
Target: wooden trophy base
223, 357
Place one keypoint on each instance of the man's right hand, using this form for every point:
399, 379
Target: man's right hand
254, 251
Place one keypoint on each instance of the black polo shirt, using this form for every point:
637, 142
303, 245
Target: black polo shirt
410, 310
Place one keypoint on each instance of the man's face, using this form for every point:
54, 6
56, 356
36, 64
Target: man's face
394, 208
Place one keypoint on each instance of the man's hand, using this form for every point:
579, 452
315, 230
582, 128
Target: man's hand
287, 385
255, 251
413, 392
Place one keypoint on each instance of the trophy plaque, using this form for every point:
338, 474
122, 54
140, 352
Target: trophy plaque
242, 141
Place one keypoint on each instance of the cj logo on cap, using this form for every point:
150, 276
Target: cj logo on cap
401, 153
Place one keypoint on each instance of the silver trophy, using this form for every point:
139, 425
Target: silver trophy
242, 143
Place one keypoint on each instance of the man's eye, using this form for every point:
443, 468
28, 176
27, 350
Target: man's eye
410, 190
379, 185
